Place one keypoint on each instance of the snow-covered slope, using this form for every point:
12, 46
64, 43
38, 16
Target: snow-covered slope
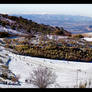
3, 29
7, 28
68, 73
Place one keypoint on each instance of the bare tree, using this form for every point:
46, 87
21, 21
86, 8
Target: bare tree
42, 77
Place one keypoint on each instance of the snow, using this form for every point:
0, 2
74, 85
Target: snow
3, 29
11, 21
55, 37
67, 72
6, 19
87, 39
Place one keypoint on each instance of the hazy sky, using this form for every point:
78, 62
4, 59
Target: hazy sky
70, 9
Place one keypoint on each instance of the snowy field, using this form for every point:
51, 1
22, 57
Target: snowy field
68, 73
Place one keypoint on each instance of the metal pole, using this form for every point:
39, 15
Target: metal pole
77, 77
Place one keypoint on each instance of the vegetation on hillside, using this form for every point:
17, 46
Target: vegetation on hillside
4, 34
71, 50
28, 26
78, 36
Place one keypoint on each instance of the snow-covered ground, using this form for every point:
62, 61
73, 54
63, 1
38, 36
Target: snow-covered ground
55, 37
3, 29
68, 73
87, 39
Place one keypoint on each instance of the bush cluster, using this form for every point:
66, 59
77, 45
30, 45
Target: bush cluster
4, 34
54, 51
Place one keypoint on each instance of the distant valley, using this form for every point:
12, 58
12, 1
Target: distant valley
73, 24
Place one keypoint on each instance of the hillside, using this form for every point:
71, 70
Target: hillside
74, 24
66, 71
26, 45
22, 26
47, 42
